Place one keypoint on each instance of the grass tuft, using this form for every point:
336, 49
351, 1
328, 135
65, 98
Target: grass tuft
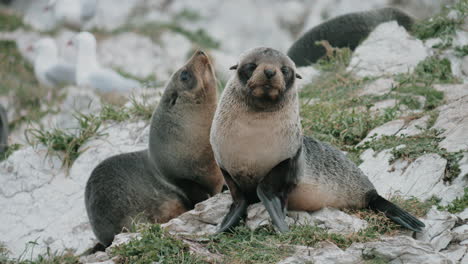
65, 144
155, 245
416, 146
10, 21
441, 26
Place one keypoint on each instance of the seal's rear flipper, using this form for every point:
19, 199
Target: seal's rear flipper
392, 211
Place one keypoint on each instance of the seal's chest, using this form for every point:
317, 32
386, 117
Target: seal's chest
254, 146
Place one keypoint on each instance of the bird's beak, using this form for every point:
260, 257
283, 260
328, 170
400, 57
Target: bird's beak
29, 48
70, 43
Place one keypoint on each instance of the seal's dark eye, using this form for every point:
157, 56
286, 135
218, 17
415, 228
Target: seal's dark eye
246, 71
285, 70
185, 76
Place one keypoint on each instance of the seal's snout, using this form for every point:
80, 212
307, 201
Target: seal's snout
200, 57
269, 73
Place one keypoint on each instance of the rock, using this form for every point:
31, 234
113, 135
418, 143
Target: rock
389, 49
388, 129
207, 215
422, 178
455, 253
308, 73
32, 182
414, 127
463, 215
400, 249
324, 253
380, 86
98, 257
464, 65
382, 105
438, 229
461, 232
203, 219
123, 238
452, 92
453, 119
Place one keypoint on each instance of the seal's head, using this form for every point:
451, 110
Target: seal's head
266, 77
194, 83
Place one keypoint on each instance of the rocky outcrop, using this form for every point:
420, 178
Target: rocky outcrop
389, 49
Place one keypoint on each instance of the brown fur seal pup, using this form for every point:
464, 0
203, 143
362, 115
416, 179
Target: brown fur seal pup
257, 141
343, 31
176, 172
3, 130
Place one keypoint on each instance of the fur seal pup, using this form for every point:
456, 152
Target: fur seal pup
3, 130
176, 172
258, 143
343, 31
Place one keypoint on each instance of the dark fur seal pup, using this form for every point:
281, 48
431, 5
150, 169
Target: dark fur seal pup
343, 31
257, 141
3, 130
176, 172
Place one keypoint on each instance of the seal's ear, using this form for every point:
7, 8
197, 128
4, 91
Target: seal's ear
234, 67
298, 76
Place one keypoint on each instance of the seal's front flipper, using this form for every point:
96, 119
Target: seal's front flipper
273, 204
236, 213
392, 211
274, 188
238, 209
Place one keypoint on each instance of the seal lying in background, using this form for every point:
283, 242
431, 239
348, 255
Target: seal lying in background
343, 31
176, 172
258, 143
3, 130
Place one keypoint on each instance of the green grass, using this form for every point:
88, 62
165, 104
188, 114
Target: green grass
416, 146
428, 72
10, 149
441, 26
49, 257
458, 205
67, 145
155, 245
10, 21
461, 51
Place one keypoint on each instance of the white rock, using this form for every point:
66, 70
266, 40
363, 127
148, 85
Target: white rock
389, 49
414, 127
203, 219
420, 178
324, 253
455, 253
381, 105
463, 215
438, 228
453, 119
452, 92
460, 232
380, 86
308, 73
464, 65
31, 184
123, 238
401, 249
388, 129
